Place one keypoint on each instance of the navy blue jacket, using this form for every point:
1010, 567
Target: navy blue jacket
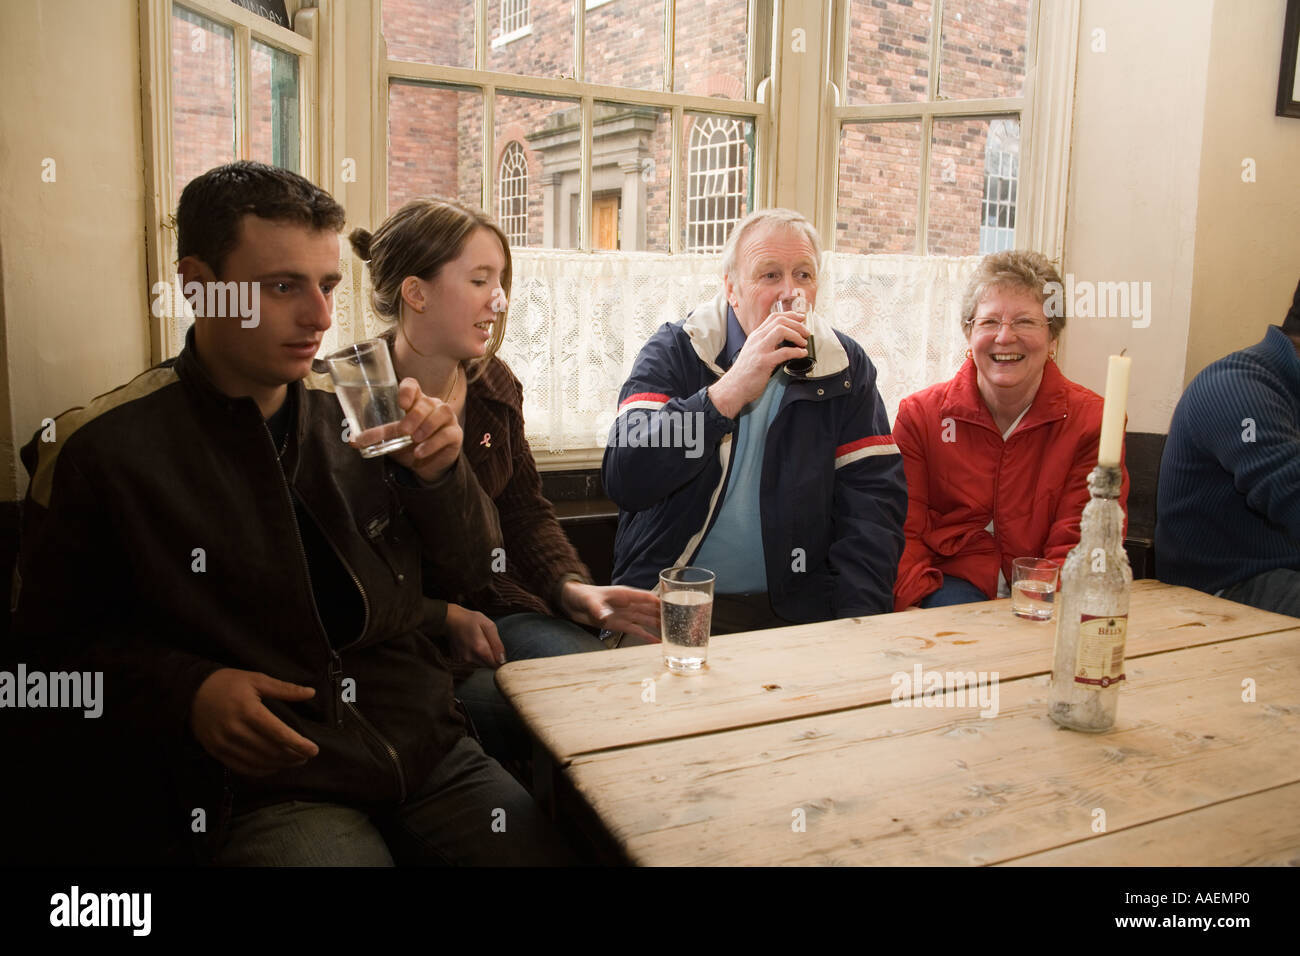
833, 495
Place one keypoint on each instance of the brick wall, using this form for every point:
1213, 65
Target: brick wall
202, 100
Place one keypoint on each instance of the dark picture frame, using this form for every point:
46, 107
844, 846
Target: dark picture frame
1288, 98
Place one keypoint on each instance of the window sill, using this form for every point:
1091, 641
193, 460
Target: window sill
569, 460
593, 4
512, 36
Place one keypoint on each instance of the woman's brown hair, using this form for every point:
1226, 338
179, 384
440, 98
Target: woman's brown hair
418, 240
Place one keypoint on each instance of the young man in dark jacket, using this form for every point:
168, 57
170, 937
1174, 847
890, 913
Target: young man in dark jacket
789, 487
249, 585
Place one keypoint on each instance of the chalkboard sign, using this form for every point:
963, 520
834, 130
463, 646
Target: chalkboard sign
272, 10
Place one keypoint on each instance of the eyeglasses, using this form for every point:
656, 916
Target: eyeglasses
1018, 326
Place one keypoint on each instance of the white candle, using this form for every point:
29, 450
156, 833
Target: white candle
1112, 416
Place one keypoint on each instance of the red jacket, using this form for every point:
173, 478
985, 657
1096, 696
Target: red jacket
1032, 487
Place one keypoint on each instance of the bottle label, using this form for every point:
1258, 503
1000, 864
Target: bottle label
1100, 661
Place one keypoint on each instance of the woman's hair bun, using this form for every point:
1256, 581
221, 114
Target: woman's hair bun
360, 239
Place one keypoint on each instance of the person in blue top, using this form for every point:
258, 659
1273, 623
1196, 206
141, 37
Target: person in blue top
788, 487
1228, 505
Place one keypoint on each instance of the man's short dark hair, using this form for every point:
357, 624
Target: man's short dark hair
1291, 324
211, 206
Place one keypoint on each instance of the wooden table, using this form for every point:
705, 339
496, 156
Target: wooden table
789, 750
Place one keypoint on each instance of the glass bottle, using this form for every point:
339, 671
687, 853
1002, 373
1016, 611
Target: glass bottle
1092, 613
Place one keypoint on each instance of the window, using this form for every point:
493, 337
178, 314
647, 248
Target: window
715, 182
1001, 171
222, 84
675, 66
514, 16
931, 87
513, 193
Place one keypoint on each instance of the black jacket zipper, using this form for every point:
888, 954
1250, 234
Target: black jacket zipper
375, 532
336, 662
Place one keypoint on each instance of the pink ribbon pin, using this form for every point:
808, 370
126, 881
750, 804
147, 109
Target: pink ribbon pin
486, 441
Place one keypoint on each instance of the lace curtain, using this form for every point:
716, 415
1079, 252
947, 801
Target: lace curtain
577, 322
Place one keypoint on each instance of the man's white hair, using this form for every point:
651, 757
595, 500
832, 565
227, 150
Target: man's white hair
771, 217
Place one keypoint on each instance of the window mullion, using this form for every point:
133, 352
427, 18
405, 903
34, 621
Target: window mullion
379, 92
243, 84
480, 34
751, 52
1032, 39
584, 174
489, 147
936, 50
923, 197
675, 185
670, 43
579, 40
307, 24
156, 96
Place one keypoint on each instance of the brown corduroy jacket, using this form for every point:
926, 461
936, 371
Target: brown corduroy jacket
537, 557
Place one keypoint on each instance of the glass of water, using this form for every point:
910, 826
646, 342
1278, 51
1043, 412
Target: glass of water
1033, 587
685, 616
366, 385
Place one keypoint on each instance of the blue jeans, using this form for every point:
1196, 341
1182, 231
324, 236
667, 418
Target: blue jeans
469, 812
1277, 590
524, 636
954, 591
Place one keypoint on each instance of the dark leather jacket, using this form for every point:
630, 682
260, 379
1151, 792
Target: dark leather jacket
160, 544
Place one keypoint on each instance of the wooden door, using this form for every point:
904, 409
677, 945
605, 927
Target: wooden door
604, 218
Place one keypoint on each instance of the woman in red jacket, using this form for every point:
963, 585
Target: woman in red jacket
997, 458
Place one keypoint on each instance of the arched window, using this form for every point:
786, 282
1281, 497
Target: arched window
1001, 175
715, 182
512, 195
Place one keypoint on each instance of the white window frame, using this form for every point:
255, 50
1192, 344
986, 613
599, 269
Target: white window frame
513, 155
160, 191
1044, 112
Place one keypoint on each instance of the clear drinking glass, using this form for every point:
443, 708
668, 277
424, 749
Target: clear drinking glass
1033, 587
366, 385
799, 305
685, 616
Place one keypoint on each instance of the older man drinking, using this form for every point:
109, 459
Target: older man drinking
798, 499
